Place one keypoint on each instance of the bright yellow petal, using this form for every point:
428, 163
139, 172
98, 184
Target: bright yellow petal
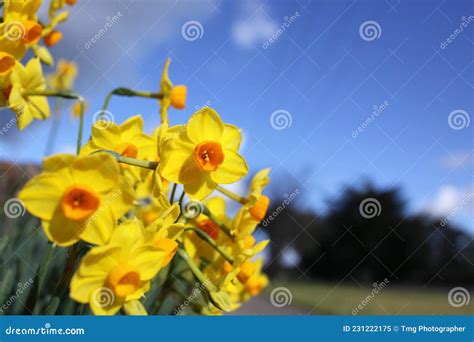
62, 231
131, 127
99, 171
134, 308
200, 188
57, 162
205, 125
231, 170
41, 195
148, 260
98, 228
231, 138
106, 136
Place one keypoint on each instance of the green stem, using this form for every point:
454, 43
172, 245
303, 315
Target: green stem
64, 282
205, 237
65, 95
232, 195
222, 226
146, 164
173, 191
128, 93
196, 271
53, 133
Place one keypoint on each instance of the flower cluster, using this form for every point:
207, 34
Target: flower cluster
20, 31
114, 204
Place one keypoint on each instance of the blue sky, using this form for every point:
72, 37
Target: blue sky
321, 71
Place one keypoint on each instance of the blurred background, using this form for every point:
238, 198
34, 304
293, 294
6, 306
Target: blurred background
361, 108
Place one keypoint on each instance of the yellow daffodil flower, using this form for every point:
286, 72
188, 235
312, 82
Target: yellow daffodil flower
258, 203
126, 139
78, 198
174, 96
118, 274
20, 28
24, 79
64, 76
203, 155
164, 231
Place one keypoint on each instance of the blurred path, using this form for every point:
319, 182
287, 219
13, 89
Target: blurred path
262, 306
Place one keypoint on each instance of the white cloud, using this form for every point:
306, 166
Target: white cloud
451, 200
458, 159
253, 25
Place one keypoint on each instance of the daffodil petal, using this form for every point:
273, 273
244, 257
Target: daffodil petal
99, 171
205, 125
231, 170
41, 195
231, 138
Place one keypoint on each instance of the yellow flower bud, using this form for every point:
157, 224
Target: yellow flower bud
259, 210
178, 96
53, 38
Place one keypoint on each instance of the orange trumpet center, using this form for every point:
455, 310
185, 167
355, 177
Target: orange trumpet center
127, 150
208, 155
79, 202
210, 228
123, 280
7, 62
259, 210
32, 33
